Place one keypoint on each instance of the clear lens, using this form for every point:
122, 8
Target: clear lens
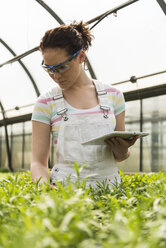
62, 68
59, 69
48, 70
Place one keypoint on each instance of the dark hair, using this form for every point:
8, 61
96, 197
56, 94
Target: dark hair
71, 37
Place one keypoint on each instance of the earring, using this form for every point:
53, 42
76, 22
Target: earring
85, 66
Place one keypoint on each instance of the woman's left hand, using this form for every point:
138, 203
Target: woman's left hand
120, 146
53, 187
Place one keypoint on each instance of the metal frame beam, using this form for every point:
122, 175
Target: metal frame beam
129, 96
145, 92
23, 66
162, 5
99, 18
2, 108
50, 11
60, 21
17, 119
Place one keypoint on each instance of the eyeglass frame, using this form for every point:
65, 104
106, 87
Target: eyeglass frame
52, 67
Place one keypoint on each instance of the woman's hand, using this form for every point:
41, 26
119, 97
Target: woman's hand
53, 187
120, 147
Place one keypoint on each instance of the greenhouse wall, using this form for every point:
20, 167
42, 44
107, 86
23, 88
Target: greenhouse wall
153, 147
148, 154
127, 51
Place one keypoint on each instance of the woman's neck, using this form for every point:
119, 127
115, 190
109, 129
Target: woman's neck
82, 82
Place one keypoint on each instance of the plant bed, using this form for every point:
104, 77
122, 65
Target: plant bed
132, 215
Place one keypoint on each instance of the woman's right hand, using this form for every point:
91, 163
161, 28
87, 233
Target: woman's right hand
53, 187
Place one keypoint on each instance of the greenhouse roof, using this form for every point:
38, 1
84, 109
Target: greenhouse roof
128, 42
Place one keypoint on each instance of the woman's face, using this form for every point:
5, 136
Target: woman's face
67, 74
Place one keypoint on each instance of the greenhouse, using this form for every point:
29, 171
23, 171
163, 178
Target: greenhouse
128, 52
130, 43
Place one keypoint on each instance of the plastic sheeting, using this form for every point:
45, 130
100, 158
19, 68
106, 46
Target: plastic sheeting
131, 43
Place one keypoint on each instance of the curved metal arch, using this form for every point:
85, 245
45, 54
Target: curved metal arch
162, 5
6, 138
3, 110
46, 7
99, 18
59, 20
23, 66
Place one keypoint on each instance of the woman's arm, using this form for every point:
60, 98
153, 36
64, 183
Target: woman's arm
40, 151
119, 146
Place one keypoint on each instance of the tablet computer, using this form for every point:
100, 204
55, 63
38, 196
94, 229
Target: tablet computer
123, 134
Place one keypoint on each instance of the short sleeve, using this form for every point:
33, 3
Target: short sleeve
119, 103
41, 111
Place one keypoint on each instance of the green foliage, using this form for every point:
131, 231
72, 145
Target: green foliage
4, 170
132, 215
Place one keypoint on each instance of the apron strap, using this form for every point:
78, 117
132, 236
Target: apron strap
60, 103
102, 96
61, 106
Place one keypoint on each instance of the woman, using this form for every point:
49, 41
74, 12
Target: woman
78, 108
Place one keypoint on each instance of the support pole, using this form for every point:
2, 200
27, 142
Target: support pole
6, 139
162, 4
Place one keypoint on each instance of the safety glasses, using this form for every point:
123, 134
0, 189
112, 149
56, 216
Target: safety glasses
59, 68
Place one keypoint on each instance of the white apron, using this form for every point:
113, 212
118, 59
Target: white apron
75, 129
